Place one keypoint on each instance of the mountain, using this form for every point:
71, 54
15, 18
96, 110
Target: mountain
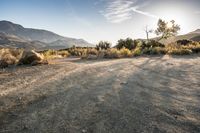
12, 41
194, 36
38, 37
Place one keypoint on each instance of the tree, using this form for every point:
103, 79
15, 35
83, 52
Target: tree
147, 31
103, 45
166, 29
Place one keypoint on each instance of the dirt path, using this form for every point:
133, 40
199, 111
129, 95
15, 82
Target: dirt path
146, 94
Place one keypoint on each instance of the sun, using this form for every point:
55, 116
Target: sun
180, 18
169, 24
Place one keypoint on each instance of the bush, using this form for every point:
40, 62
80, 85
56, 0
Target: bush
180, 52
78, 51
194, 46
137, 52
10, 56
195, 49
49, 53
103, 45
127, 43
152, 44
92, 51
112, 53
124, 52
155, 51
139, 43
184, 42
63, 53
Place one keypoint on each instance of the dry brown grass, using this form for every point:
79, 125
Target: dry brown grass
10, 56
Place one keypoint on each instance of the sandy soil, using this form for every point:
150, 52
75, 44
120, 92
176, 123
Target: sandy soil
145, 94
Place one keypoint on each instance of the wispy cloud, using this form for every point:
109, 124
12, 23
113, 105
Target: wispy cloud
144, 13
117, 11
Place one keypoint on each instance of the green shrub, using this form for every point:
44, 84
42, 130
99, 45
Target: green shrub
126, 43
137, 52
139, 43
103, 45
184, 42
77, 51
152, 44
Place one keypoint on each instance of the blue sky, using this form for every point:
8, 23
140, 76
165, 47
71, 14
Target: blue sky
95, 20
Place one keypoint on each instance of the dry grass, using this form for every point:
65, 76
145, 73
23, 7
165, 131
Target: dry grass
52, 54
10, 56
178, 49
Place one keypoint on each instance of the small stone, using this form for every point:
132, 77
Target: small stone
84, 131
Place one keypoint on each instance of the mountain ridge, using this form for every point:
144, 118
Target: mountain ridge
41, 35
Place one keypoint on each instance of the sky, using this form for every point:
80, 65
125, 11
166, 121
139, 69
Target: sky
96, 20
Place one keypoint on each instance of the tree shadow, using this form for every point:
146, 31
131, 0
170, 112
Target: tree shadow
137, 96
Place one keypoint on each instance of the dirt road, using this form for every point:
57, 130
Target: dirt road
145, 94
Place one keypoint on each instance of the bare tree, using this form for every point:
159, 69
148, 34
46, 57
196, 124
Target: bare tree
147, 31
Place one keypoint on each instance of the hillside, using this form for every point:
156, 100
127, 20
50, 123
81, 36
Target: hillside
194, 36
47, 38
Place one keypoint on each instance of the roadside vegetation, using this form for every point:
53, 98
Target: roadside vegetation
131, 48
125, 48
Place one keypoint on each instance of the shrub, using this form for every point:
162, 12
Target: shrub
152, 44
194, 46
180, 52
127, 43
50, 52
103, 45
10, 56
139, 43
77, 51
63, 53
195, 49
112, 53
92, 51
124, 52
137, 52
157, 50
184, 42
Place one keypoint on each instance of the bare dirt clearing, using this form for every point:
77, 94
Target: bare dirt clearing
146, 94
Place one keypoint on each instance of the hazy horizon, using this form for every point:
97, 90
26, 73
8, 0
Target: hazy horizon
95, 20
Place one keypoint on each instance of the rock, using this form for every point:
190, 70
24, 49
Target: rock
3, 64
34, 63
32, 58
